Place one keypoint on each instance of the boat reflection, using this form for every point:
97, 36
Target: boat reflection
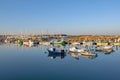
77, 55
53, 56
105, 49
89, 57
108, 51
74, 55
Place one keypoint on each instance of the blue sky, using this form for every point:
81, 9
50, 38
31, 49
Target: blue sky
76, 17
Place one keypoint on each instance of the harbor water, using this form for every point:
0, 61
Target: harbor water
35, 63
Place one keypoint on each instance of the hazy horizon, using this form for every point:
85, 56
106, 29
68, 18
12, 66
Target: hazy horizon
76, 17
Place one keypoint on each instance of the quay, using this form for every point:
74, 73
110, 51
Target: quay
98, 40
95, 40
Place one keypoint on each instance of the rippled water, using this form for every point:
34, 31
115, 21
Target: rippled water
34, 63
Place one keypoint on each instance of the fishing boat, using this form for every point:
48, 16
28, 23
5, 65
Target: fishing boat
86, 53
76, 50
53, 51
102, 48
109, 51
82, 51
89, 57
44, 43
55, 55
74, 55
58, 43
75, 43
107, 47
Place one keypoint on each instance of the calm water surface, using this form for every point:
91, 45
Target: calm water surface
34, 63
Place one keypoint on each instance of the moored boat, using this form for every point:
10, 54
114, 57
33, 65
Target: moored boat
81, 51
107, 47
86, 53
76, 50
55, 55
90, 56
102, 48
53, 51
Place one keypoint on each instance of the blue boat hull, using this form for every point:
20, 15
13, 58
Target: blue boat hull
54, 52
